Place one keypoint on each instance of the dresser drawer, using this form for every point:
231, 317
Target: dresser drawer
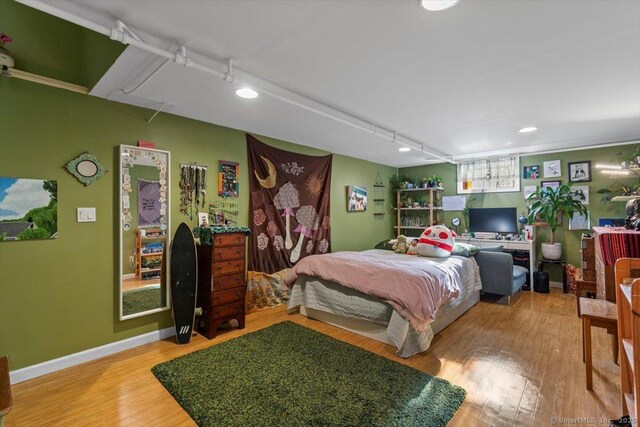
228, 252
229, 239
227, 267
228, 296
227, 282
233, 309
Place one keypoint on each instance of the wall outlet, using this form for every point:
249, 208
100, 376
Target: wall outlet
131, 260
86, 214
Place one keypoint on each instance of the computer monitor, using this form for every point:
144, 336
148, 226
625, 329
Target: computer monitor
493, 220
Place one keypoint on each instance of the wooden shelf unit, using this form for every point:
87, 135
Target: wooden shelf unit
628, 305
153, 235
435, 197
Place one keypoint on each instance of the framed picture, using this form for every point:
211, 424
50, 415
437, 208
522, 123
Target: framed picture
580, 222
356, 198
529, 189
28, 209
580, 171
581, 193
550, 184
203, 219
531, 172
228, 173
552, 169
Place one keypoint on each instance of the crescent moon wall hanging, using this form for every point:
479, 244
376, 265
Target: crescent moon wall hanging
270, 180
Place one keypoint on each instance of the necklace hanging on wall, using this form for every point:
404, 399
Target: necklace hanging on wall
193, 187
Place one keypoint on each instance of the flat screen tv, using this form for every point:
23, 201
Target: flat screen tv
493, 220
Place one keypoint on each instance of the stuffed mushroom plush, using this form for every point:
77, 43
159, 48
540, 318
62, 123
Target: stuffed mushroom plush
436, 241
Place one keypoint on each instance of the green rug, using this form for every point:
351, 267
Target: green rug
139, 300
289, 375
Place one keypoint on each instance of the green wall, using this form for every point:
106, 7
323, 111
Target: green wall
48, 46
59, 297
569, 238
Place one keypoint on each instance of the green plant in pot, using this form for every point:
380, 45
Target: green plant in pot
546, 205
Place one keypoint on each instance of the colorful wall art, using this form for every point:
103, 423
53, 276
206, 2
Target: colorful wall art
28, 209
289, 206
356, 198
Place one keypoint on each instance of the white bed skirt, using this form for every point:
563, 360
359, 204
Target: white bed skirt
379, 332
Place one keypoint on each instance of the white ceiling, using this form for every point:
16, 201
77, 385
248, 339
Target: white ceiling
463, 81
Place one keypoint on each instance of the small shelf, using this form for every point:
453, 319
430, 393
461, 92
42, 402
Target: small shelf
402, 190
628, 397
412, 227
152, 254
624, 198
628, 349
418, 209
379, 185
153, 238
149, 270
626, 291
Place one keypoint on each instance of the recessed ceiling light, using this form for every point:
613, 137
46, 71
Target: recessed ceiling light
436, 5
404, 149
509, 143
246, 92
528, 129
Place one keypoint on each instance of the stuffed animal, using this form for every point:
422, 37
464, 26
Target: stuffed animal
413, 247
401, 245
436, 241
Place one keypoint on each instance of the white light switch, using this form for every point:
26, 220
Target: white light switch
86, 214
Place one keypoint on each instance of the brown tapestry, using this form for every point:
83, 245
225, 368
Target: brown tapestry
288, 206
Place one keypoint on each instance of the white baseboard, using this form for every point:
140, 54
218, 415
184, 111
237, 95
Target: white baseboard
44, 368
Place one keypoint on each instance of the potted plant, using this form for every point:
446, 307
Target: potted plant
546, 204
436, 181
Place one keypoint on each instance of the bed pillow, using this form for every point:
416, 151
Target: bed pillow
385, 244
465, 250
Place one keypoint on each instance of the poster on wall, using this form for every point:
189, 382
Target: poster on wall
228, 173
28, 209
531, 172
356, 198
552, 169
580, 193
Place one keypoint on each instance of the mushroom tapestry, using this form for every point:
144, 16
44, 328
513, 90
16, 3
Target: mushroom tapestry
288, 206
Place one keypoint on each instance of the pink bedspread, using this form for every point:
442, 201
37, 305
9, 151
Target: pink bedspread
414, 286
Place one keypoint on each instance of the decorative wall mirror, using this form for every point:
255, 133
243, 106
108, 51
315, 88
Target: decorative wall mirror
144, 231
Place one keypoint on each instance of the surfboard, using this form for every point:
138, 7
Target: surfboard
184, 281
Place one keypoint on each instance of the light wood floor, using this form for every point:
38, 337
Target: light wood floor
521, 365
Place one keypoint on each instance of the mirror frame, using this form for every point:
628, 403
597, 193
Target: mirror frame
163, 280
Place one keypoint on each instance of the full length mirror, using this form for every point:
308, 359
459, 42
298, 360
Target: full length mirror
144, 230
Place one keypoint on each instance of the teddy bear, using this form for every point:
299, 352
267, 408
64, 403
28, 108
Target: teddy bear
436, 241
401, 245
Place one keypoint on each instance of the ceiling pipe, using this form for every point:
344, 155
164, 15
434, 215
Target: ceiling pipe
120, 33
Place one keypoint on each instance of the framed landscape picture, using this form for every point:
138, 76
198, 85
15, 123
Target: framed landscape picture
580, 171
28, 209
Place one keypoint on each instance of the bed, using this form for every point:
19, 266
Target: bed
356, 291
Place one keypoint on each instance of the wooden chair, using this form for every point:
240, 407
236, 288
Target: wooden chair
5, 389
597, 313
577, 285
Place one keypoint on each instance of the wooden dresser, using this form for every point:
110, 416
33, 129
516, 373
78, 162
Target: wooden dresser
221, 281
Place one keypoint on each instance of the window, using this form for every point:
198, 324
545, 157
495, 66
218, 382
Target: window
498, 175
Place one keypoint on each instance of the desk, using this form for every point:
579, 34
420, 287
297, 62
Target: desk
562, 263
528, 246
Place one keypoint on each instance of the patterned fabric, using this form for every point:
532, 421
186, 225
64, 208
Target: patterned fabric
618, 243
205, 234
265, 291
149, 213
288, 206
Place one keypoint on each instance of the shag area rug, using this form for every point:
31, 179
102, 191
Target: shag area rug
289, 375
142, 299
